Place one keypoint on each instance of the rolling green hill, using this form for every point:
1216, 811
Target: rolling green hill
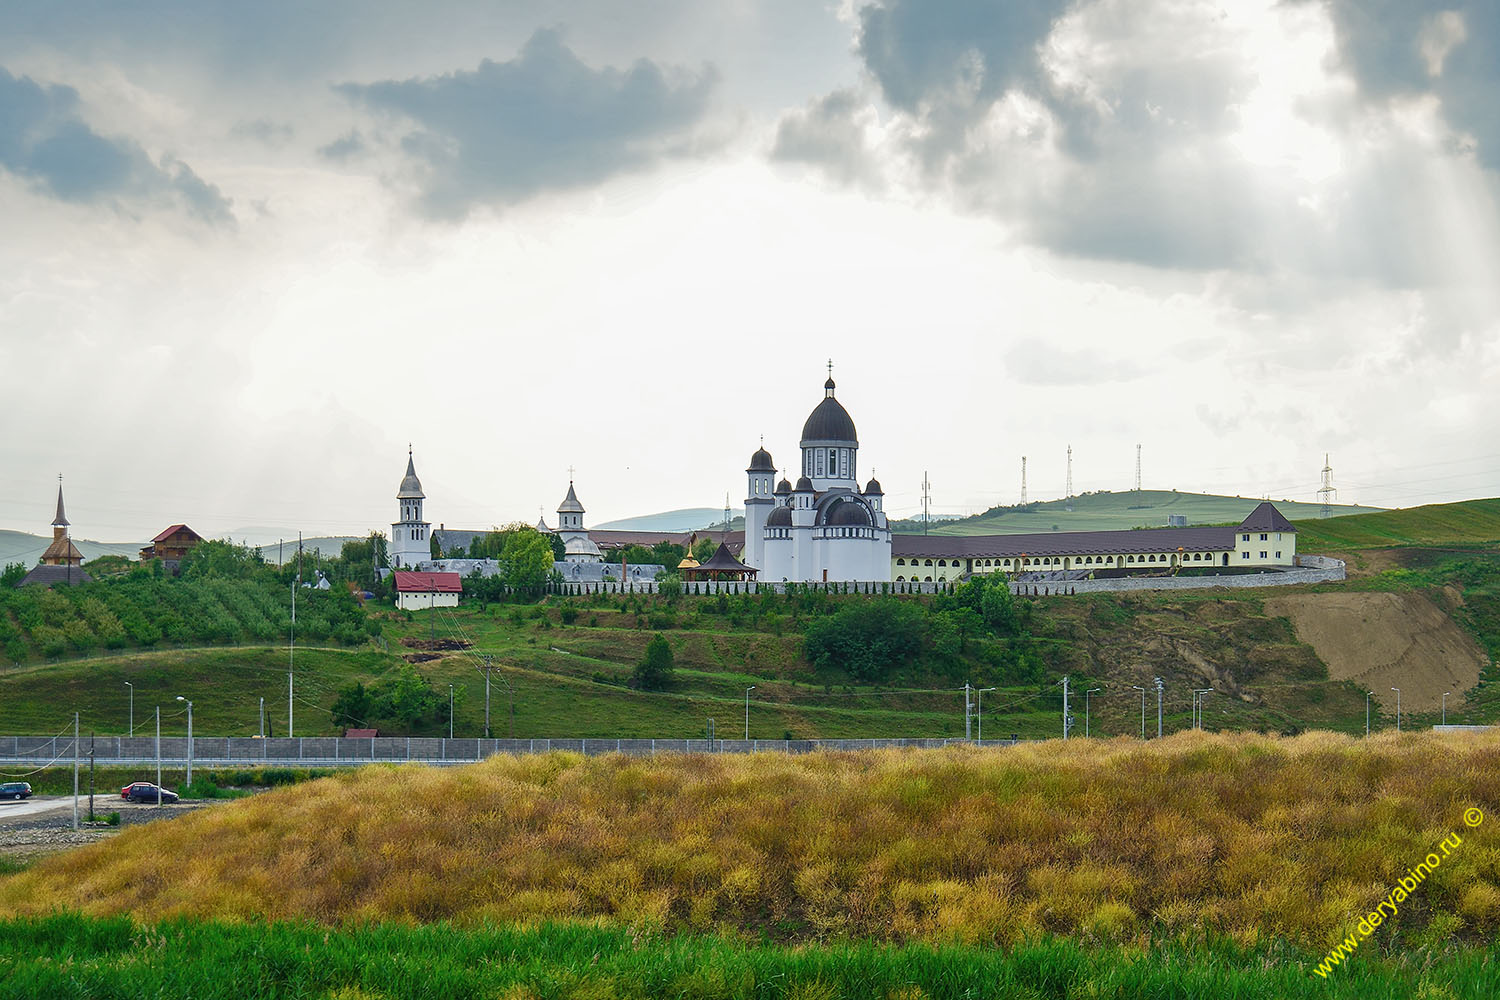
18, 546
1106, 511
1471, 522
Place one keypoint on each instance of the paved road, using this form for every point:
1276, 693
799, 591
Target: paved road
11, 809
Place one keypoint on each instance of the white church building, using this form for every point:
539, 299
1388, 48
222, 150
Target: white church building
825, 528
411, 537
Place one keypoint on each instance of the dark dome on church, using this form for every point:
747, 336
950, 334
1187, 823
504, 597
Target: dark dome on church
829, 421
785, 486
804, 485
872, 488
761, 461
850, 513
780, 517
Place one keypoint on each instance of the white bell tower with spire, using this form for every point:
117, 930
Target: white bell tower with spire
411, 537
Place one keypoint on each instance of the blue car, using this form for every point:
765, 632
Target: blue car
15, 790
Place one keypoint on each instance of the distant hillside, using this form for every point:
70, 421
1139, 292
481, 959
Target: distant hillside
687, 519
1107, 511
18, 546
1471, 522
330, 545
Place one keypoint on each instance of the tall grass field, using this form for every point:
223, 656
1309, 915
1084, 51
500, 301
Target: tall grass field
1241, 837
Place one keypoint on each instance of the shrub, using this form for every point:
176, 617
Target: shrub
654, 672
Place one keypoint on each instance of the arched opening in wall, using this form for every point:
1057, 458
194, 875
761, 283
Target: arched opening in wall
900, 579
927, 579
1066, 563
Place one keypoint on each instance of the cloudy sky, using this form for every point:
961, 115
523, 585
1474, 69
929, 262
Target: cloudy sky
250, 251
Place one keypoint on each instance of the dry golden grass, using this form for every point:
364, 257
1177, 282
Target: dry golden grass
1239, 835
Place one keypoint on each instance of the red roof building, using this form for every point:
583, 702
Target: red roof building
172, 544
415, 591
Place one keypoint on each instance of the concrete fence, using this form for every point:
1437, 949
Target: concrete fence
332, 751
1322, 570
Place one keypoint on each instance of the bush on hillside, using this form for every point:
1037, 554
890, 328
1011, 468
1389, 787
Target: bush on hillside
654, 672
867, 639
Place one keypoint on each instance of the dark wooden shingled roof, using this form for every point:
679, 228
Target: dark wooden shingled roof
723, 560
48, 576
1266, 518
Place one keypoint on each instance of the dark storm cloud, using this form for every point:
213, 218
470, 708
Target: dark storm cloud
541, 121
1446, 48
826, 134
45, 142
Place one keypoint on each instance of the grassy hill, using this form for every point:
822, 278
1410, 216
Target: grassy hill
1469, 523
686, 519
1107, 511
18, 546
1257, 838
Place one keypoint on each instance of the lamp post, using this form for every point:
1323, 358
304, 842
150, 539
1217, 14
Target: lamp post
1368, 694
263, 717
131, 731
1086, 709
747, 710
450, 711
190, 739
1445, 706
980, 692
1142, 690
1158, 707
1398, 708
1199, 696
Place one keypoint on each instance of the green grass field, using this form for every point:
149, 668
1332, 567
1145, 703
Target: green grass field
1472, 523
1114, 512
72, 958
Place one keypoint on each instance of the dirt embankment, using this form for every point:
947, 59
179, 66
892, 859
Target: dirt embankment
1383, 641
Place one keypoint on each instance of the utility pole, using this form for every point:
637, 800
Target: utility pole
1158, 707
1398, 708
1327, 495
926, 502
1143, 708
131, 730
1086, 706
980, 692
1065, 706
968, 733
747, 711
487, 661
91, 777
450, 711
190, 739
76, 751
158, 756
291, 655
263, 717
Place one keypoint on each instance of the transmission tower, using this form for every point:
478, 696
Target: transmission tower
926, 502
1327, 495
1023, 480
1137, 468
1068, 505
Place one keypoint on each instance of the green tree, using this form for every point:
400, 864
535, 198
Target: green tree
704, 548
12, 574
528, 560
223, 559
352, 707
867, 639
654, 672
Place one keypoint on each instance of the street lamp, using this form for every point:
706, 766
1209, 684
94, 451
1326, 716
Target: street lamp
1398, 708
132, 708
1143, 708
450, 711
1086, 710
1445, 706
1158, 707
1199, 696
747, 710
190, 739
980, 706
1368, 695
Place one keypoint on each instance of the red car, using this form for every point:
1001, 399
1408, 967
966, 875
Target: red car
145, 791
